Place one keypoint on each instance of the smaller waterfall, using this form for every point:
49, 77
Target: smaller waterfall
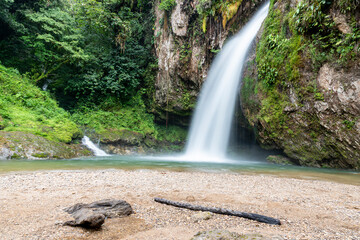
90, 145
46, 85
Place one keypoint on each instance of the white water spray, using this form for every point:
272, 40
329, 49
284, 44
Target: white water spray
210, 127
89, 144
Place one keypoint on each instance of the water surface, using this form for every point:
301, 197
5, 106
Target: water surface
178, 163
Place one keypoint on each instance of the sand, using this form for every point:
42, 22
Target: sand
32, 203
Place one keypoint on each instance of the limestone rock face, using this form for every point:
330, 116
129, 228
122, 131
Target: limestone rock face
179, 19
185, 52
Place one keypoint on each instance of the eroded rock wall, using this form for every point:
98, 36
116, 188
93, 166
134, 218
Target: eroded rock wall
186, 41
302, 90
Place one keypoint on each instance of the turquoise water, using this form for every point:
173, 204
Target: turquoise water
176, 163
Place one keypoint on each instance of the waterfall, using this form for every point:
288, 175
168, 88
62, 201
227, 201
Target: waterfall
46, 85
211, 123
90, 145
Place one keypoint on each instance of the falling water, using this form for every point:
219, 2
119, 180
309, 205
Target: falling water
46, 85
89, 144
210, 127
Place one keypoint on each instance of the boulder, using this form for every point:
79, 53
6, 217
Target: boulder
93, 215
110, 208
86, 218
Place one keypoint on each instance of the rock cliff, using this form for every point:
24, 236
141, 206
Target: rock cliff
302, 89
187, 38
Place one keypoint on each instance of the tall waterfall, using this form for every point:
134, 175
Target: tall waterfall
90, 145
211, 124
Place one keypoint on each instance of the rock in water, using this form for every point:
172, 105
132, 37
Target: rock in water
94, 214
278, 159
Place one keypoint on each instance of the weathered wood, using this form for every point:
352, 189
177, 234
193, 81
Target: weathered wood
252, 216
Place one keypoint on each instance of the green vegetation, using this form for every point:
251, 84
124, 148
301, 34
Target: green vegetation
96, 57
226, 9
90, 50
167, 5
349, 124
281, 95
131, 116
308, 30
24, 107
313, 20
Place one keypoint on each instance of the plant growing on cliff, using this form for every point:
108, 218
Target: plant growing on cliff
207, 8
349, 124
167, 5
267, 74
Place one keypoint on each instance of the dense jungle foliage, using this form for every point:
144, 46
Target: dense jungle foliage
87, 51
95, 58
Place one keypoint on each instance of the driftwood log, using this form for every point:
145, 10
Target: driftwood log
252, 216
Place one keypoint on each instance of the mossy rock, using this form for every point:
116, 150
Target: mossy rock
123, 136
279, 159
150, 142
16, 156
40, 155
14, 145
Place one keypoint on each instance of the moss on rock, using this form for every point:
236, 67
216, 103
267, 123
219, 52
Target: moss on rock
297, 93
29, 146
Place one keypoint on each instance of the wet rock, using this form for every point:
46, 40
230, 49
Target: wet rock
279, 159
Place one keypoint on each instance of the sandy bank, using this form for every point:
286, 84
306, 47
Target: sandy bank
31, 204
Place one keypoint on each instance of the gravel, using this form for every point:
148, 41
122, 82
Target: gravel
32, 204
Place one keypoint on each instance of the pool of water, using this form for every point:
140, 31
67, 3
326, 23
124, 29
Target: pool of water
179, 163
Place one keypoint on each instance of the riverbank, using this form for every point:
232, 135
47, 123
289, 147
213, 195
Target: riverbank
33, 202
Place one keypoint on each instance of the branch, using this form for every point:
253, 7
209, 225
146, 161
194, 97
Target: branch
252, 216
45, 75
